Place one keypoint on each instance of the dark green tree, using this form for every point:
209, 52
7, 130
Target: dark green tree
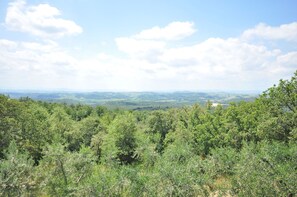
120, 141
16, 173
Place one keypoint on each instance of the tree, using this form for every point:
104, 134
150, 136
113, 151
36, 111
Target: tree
63, 173
16, 173
120, 141
160, 123
266, 169
89, 127
281, 106
10, 115
35, 130
78, 112
62, 125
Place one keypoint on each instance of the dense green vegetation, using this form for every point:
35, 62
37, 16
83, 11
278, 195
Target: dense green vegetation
245, 149
135, 100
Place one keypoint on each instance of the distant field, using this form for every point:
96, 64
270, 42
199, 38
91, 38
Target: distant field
135, 100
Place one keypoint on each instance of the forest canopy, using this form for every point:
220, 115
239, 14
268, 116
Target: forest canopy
245, 149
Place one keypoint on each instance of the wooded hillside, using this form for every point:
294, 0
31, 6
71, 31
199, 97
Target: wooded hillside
245, 149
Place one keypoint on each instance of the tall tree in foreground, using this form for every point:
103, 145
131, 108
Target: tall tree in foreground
16, 173
281, 104
120, 141
64, 173
10, 115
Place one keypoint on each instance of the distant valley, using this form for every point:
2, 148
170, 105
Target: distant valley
135, 100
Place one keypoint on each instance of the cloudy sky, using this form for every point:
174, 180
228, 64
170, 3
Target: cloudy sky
153, 45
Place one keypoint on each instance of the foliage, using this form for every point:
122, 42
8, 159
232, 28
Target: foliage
244, 149
16, 173
266, 170
120, 141
62, 172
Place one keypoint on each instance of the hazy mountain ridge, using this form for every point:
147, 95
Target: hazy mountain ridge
135, 100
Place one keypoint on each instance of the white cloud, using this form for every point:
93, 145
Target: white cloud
41, 20
151, 64
140, 48
289, 59
7, 44
150, 43
27, 60
286, 32
220, 55
173, 31
215, 63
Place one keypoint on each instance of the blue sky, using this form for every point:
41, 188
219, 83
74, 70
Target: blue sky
155, 45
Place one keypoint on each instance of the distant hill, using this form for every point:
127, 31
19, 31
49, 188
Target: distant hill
135, 100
